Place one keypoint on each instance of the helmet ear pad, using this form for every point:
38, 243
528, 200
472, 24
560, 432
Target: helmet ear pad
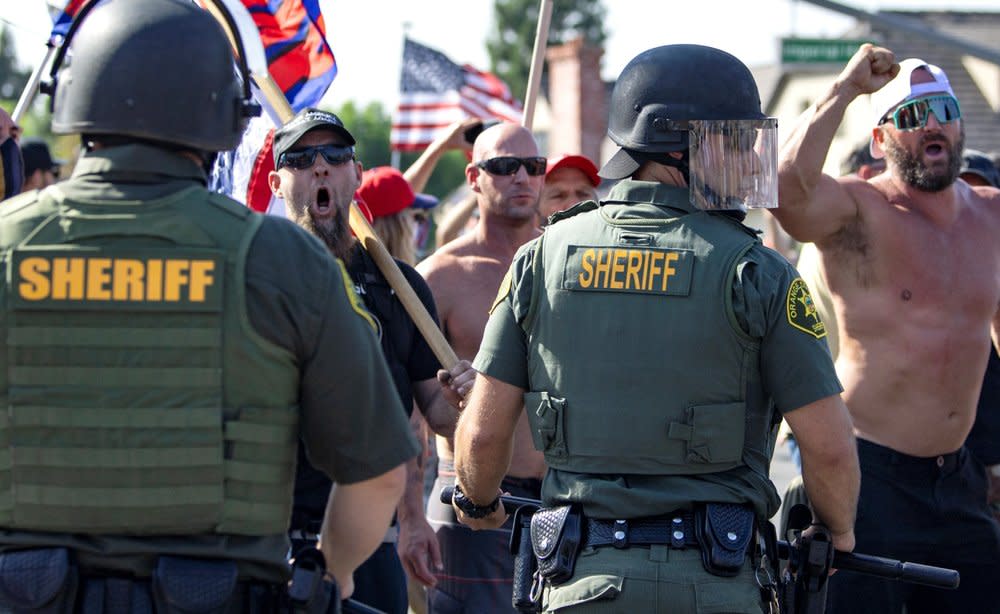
156, 70
651, 130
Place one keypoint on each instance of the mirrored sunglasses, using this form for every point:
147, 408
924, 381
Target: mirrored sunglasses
509, 165
913, 114
305, 158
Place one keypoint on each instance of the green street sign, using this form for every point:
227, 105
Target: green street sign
818, 50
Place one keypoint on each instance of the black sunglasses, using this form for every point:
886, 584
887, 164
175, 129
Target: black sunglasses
509, 165
305, 158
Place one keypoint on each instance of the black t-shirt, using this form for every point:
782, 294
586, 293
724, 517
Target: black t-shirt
984, 439
409, 357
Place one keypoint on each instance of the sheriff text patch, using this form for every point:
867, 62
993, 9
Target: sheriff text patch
56, 279
629, 269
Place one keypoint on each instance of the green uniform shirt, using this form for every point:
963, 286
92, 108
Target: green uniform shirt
351, 421
795, 367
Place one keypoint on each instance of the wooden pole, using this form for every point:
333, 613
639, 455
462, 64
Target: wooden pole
28, 95
359, 225
411, 302
537, 60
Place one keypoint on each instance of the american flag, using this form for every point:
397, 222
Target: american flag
435, 92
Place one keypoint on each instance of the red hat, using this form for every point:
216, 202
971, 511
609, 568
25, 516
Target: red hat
386, 191
582, 163
363, 207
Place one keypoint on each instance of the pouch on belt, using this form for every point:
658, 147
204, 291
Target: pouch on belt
193, 586
41, 580
556, 534
724, 531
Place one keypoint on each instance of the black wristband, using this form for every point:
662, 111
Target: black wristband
470, 509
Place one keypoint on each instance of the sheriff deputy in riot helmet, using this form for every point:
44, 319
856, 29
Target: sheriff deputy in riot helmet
655, 344
164, 351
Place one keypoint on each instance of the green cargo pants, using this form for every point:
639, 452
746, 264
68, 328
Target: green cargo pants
651, 580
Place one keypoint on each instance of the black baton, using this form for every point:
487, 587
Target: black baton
350, 606
938, 577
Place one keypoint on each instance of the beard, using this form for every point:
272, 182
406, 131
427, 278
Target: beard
915, 173
334, 232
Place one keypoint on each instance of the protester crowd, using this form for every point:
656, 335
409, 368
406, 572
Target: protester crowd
899, 254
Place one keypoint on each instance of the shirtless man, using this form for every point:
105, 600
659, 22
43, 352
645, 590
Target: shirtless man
506, 174
913, 263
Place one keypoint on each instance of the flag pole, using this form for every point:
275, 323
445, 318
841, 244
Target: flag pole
31, 89
359, 224
537, 59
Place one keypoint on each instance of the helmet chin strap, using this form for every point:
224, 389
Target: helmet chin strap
734, 206
730, 206
682, 164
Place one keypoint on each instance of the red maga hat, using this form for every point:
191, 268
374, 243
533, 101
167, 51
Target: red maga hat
386, 191
582, 163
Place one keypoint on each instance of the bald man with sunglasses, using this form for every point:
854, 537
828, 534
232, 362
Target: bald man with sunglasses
506, 174
913, 263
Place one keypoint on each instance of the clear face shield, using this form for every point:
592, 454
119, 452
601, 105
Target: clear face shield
733, 163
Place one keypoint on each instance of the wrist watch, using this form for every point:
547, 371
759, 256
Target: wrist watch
471, 509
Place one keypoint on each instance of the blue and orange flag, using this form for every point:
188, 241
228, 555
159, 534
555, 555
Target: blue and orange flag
301, 62
63, 13
298, 56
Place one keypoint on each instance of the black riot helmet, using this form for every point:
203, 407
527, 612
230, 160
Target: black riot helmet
693, 99
155, 70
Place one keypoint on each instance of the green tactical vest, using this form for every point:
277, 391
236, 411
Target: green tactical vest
636, 362
139, 399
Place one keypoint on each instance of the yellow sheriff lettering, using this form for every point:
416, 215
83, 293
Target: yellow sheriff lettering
67, 278
115, 279
98, 278
34, 284
632, 271
127, 280
616, 268
200, 278
603, 266
587, 262
668, 269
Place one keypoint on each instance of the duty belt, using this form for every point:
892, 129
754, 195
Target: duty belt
674, 530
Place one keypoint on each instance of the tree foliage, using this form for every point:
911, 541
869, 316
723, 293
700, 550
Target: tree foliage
511, 45
37, 121
12, 77
370, 126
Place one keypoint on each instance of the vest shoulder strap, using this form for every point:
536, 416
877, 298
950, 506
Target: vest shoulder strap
537, 284
578, 208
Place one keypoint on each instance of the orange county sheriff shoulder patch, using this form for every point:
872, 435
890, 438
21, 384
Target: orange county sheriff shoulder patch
801, 310
505, 286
